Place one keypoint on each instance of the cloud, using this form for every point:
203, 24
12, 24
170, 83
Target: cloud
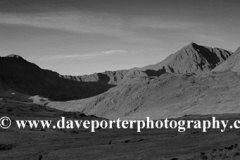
97, 54
63, 22
159, 24
84, 56
124, 28
76, 23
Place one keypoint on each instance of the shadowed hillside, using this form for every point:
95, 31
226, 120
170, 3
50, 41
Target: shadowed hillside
24, 77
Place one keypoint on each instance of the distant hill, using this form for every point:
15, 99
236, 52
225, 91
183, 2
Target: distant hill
110, 77
21, 76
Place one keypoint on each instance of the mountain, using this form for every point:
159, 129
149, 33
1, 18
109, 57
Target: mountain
231, 64
21, 76
192, 58
172, 88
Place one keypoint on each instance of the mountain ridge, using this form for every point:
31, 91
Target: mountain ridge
26, 78
200, 55
169, 94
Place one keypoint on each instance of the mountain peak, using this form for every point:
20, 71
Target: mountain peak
193, 44
192, 58
14, 56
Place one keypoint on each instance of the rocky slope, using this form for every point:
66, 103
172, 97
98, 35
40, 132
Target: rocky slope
169, 95
192, 58
231, 64
24, 77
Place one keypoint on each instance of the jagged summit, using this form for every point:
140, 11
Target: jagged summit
192, 58
193, 44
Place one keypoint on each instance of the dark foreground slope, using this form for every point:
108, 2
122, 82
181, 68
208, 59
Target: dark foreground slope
20, 76
110, 144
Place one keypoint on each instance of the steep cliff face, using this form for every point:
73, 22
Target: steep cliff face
27, 78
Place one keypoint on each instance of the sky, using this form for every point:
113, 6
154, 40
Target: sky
76, 37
